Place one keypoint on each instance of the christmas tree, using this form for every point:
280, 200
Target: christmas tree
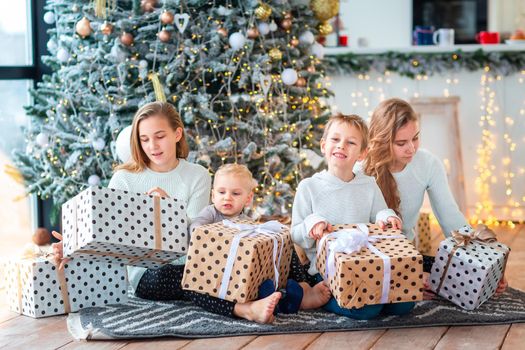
245, 75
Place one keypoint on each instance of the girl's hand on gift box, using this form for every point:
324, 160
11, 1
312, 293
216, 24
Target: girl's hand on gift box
394, 222
58, 251
320, 229
157, 191
428, 294
502, 285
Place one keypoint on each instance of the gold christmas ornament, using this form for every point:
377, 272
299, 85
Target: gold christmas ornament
294, 42
126, 39
286, 23
252, 33
164, 36
301, 82
263, 12
222, 31
83, 27
275, 54
148, 5
106, 28
325, 28
324, 9
167, 17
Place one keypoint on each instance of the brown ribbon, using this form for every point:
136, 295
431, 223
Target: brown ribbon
482, 234
156, 222
61, 276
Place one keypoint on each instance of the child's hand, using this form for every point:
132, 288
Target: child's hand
58, 251
157, 191
393, 221
319, 230
502, 285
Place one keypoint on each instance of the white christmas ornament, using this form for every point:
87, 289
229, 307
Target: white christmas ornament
52, 45
93, 180
122, 145
42, 139
307, 38
289, 76
317, 50
98, 144
181, 21
63, 55
273, 26
237, 40
264, 28
49, 17
143, 64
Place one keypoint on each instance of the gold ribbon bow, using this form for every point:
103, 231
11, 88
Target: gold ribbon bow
481, 234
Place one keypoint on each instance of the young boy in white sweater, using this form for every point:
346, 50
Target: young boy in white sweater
233, 190
338, 196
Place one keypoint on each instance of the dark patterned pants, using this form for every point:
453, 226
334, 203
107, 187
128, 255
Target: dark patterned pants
165, 283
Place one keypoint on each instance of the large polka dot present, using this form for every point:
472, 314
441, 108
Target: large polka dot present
424, 236
365, 265
468, 267
230, 260
111, 225
37, 288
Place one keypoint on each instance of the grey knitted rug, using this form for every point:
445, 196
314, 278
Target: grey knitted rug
140, 318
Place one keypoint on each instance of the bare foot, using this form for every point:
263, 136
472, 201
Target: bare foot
314, 297
260, 311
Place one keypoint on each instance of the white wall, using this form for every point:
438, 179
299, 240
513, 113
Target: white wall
353, 95
383, 23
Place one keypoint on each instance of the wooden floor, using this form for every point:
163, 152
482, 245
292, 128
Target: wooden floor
20, 332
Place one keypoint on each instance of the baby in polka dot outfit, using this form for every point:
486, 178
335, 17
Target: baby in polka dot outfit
232, 192
340, 196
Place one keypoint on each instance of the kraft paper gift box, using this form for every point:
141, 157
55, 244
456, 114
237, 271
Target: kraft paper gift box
230, 260
111, 225
468, 267
423, 237
365, 265
37, 288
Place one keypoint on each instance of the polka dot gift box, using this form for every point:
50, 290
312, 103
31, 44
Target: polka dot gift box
365, 265
424, 237
111, 225
230, 260
36, 288
468, 267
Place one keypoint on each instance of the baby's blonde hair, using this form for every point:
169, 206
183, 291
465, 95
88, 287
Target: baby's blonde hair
239, 170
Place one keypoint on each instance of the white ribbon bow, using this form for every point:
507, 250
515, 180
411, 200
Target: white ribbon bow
270, 229
350, 241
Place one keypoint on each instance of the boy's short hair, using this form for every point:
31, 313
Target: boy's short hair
237, 170
353, 120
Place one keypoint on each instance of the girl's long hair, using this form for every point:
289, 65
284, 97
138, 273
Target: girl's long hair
387, 119
139, 159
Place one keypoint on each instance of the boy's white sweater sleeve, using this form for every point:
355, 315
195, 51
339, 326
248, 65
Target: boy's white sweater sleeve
303, 219
380, 212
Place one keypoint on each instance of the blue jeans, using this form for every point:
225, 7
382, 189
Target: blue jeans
367, 312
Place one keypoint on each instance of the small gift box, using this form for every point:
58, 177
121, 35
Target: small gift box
37, 288
468, 267
135, 229
365, 265
423, 236
230, 260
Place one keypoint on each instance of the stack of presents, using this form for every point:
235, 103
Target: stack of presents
105, 230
